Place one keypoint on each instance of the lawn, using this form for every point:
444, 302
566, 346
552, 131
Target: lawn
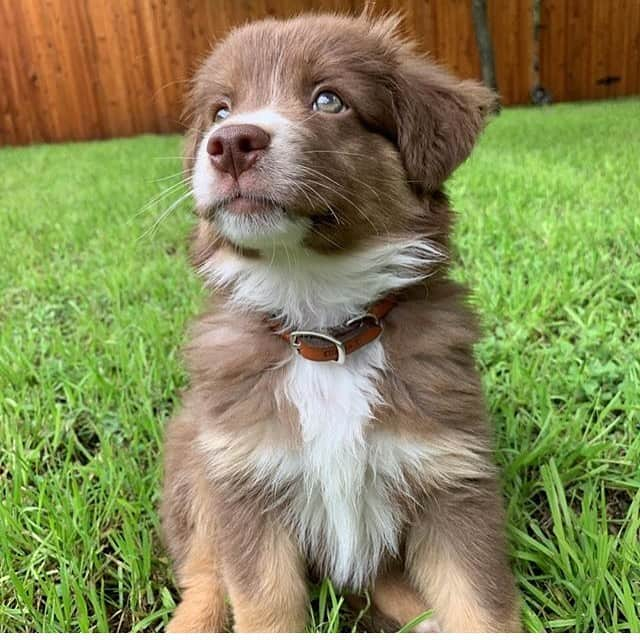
95, 297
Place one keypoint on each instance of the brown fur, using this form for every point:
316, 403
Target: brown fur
274, 597
396, 599
227, 533
203, 596
378, 72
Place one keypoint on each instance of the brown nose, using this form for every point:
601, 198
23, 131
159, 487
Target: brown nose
236, 147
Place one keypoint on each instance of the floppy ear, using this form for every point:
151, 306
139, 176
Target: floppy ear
438, 119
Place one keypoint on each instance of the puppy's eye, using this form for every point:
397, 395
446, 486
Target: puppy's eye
221, 114
328, 102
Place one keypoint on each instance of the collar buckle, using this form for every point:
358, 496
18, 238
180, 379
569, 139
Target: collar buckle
338, 344
363, 318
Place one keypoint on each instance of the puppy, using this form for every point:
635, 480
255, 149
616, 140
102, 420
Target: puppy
310, 442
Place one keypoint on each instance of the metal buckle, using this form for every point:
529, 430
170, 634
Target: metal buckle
362, 318
377, 322
342, 354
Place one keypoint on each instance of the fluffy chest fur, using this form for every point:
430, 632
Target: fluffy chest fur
342, 481
339, 501
341, 513
335, 481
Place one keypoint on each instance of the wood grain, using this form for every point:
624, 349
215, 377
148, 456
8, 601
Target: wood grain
84, 69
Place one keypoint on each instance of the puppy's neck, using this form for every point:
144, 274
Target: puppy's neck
304, 289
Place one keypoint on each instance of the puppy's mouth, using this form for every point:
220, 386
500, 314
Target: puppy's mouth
263, 207
263, 223
259, 223
241, 204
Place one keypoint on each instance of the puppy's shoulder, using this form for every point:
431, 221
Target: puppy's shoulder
432, 384
434, 322
227, 344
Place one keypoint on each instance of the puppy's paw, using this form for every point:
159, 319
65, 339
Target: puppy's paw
179, 625
183, 624
190, 620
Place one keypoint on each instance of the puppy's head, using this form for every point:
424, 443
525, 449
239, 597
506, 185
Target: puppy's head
322, 132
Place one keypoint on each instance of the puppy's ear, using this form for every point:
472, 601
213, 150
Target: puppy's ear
437, 118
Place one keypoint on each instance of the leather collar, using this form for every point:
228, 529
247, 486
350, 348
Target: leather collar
335, 344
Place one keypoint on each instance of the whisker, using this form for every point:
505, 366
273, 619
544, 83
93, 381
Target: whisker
313, 115
359, 155
286, 251
336, 152
329, 240
163, 194
319, 173
165, 214
169, 84
273, 253
352, 203
320, 197
174, 158
172, 175
375, 192
298, 187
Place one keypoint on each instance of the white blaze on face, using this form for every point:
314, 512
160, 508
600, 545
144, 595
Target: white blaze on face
277, 173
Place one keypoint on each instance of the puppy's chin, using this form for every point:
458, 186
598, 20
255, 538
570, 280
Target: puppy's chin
263, 231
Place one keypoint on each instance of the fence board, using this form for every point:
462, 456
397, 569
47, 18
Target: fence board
82, 69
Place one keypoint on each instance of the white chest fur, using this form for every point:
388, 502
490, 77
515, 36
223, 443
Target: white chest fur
343, 514
342, 481
348, 473
345, 474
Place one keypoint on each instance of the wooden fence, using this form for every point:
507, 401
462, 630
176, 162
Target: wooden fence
82, 69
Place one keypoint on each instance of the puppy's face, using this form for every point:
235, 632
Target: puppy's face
322, 132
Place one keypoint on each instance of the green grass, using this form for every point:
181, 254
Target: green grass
92, 318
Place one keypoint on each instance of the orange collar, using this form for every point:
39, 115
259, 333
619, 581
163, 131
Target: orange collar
335, 344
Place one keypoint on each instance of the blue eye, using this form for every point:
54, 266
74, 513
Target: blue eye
221, 114
329, 102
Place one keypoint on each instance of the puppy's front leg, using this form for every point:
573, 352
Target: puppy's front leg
202, 607
265, 577
456, 557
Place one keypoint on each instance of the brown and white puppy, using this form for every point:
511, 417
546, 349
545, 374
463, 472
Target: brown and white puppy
318, 149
